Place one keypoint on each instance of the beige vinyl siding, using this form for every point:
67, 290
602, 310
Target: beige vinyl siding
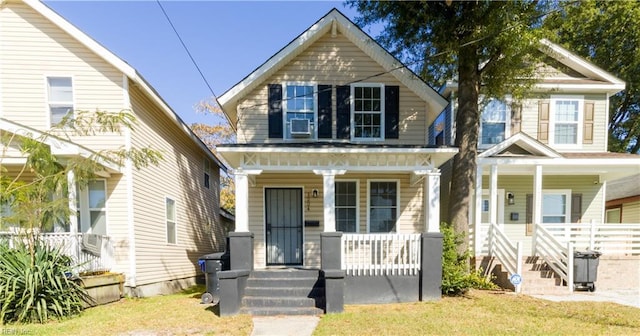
631, 213
180, 177
411, 219
530, 121
333, 61
118, 221
34, 48
520, 186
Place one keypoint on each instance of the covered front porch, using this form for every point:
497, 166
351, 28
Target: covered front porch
355, 212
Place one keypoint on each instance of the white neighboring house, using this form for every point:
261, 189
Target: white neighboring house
150, 224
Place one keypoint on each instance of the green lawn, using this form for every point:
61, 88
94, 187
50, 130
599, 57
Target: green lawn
484, 313
479, 313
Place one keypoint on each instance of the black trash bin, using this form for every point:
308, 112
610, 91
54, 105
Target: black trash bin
211, 264
585, 269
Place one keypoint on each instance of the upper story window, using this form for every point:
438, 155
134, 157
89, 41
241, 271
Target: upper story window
493, 123
60, 98
383, 206
299, 110
565, 121
367, 112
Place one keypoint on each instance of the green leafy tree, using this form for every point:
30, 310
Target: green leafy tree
482, 44
218, 132
607, 33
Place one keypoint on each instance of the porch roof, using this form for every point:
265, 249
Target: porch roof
322, 155
59, 147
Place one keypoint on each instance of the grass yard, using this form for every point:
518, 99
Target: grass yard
479, 313
484, 313
178, 314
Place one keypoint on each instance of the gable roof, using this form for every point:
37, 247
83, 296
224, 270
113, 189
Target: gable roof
333, 21
123, 67
524, 144
597, 79
592, 78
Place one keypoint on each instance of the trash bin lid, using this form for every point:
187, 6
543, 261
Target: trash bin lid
212, 256
587, 254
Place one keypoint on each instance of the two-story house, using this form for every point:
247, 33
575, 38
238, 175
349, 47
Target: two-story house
150, 224
542, 172
332, 140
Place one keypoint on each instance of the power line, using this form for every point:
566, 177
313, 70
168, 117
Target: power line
187, 50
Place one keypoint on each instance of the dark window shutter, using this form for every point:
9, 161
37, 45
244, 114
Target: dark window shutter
529, 215
543, 121
587, 132
343, 112
391, 112
324, 111
576, 208
275, 111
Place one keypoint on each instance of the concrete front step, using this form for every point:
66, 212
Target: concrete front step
288, 273
275, 311
284, 292
273, 301
307, 283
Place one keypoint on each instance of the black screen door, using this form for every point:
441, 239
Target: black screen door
283, 213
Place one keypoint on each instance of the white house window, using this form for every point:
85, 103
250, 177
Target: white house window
300, 105
60, 95
493, 124
91, 203
556, 207
383, 206
346, 206
170, 218
207, 173
565, 121
367, 111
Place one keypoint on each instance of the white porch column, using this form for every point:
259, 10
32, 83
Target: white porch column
329, 197
432, 201
242, 198
493, 195
537, 205
73, 209
477, 235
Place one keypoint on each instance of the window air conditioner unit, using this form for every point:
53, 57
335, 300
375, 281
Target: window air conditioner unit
92, 243
300, 128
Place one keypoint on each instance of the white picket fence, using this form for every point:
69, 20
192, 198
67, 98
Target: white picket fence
381, 254
71, 245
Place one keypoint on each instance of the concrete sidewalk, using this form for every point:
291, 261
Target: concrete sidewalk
627, 297
284, 325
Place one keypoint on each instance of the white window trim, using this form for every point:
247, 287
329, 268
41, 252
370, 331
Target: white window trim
46, 93
567, 193
507, 100
352, 105
85, 210
357, 202
398, 191
552, 121
175, 220
314, 134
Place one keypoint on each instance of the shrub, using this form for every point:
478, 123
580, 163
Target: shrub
456, 277
35, 284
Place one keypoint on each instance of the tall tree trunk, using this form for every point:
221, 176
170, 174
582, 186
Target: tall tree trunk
467, 126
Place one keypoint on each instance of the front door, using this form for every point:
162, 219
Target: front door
283, 214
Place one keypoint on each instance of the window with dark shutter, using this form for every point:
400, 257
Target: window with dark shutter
391, 112
275, 111
324, 111
343, 112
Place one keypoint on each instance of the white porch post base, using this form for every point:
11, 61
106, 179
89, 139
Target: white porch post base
432, 201
329, 197
242, 199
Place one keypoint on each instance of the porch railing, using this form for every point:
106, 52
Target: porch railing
72, 245
381, 254
612, 239
509, 255
557, 254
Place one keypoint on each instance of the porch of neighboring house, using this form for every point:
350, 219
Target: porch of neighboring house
90, 252
288, 252
531, 216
